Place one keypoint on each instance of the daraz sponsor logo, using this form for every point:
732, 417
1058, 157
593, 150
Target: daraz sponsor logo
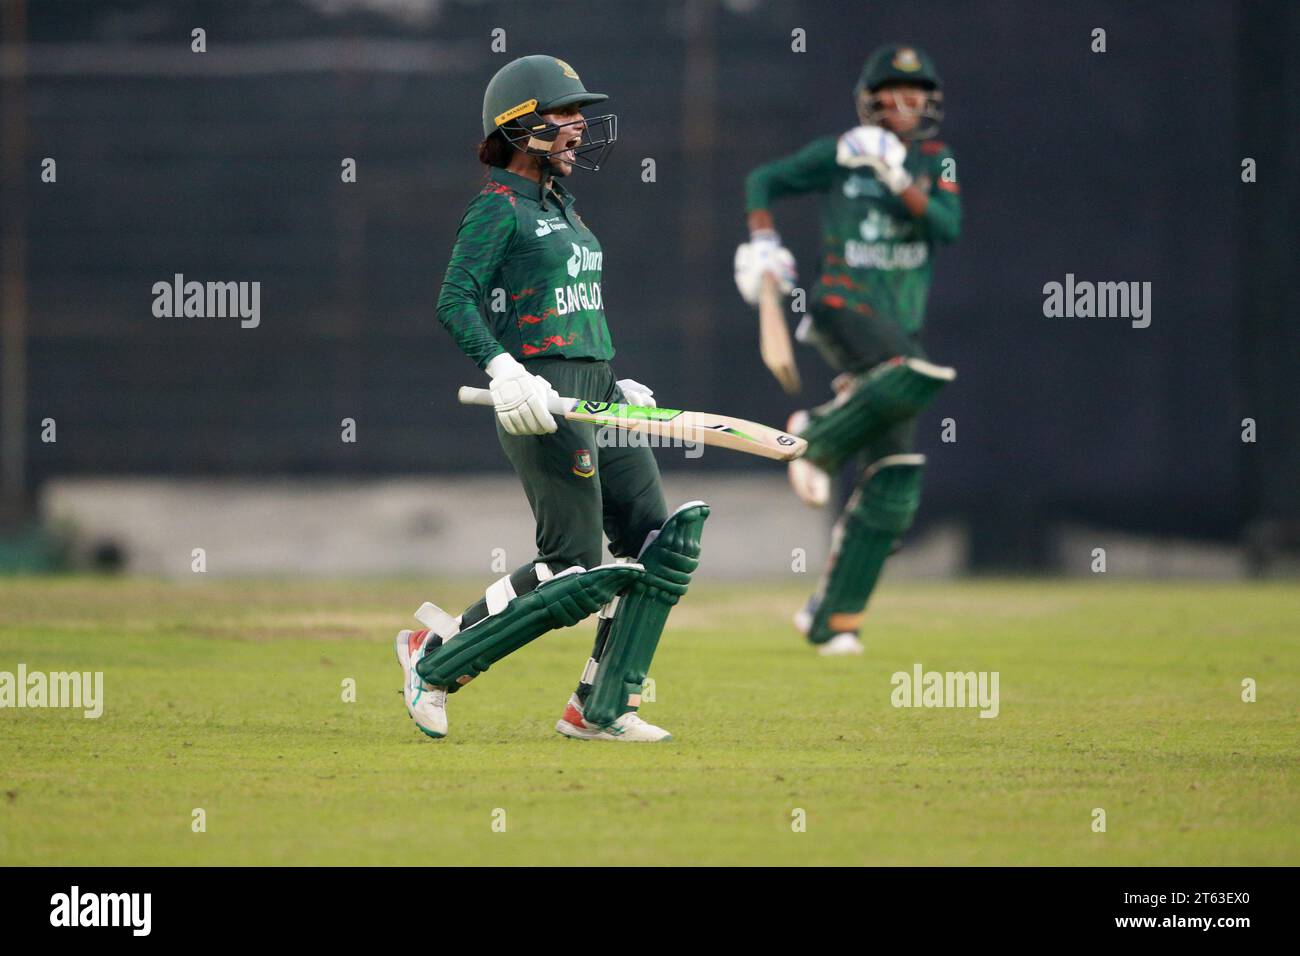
583, 260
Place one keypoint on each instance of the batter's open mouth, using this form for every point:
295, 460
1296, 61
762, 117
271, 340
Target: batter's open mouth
570, 146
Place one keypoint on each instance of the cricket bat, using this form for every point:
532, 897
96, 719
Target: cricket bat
774, 337
720, 431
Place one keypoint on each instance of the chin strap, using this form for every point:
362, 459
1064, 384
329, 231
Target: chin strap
544, 180
539, 140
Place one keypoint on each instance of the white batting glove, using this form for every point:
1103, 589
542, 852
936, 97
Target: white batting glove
880, 151
763, 255
520, 397
637, 394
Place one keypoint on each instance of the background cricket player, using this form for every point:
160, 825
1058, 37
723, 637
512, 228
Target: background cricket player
522, 299
888, 192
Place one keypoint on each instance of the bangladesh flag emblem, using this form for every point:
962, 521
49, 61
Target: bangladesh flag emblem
582, 466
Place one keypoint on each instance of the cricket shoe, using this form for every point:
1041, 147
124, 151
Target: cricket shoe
810, 483
425, 702
629, 727
840, 645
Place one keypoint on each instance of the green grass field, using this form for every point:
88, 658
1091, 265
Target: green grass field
228, 697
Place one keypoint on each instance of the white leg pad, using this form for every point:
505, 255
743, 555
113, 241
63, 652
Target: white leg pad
499, 594
437, 620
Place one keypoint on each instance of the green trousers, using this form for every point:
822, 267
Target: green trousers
578, 489
852, 342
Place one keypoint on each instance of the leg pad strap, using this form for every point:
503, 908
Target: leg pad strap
889, 393
561, 601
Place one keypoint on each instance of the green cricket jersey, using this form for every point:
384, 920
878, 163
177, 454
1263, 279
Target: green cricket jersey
523, 279
876, 257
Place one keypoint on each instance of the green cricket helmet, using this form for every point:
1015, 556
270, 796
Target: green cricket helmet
524, 89
898, 65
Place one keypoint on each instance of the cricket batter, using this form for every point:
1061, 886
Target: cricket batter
522, 299
888, 193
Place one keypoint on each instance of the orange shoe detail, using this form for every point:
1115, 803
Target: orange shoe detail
415, 639
573, 716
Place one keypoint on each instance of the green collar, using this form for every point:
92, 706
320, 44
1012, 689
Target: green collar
526, 187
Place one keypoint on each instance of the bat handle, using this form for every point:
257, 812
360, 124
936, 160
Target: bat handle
468, 395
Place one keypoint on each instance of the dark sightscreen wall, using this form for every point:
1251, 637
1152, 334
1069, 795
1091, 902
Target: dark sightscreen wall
1116, 166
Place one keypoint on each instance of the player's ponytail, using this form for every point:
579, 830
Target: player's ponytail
495, 150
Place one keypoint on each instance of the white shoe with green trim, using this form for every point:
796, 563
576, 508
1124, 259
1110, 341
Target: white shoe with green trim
426, 703
628, 727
